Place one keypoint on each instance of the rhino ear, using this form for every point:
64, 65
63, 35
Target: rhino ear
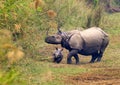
59, 31
56, 48
62, 49
60, 24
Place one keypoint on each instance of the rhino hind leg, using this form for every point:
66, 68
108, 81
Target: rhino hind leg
99, 56
103, 47
72, 53
101, 53
94, 57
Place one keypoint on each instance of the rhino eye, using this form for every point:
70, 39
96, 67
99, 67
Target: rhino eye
53, 54
53, 36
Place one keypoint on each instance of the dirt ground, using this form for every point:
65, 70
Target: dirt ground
104, 77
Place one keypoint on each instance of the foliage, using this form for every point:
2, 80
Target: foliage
115, 2
9, 77
5, 38
28, 20
70, 13
110, 23
9, 54
8, 51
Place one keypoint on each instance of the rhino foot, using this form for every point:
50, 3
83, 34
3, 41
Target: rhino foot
91, 62
77, 63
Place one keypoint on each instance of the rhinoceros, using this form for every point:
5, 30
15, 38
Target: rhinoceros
57, 55
92, 41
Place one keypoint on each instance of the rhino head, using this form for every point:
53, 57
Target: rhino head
54, 39
57, 55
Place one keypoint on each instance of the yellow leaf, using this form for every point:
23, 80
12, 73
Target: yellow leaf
17, 27
51, 13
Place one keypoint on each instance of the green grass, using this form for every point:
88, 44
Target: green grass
71, 70
46, 73
110, 23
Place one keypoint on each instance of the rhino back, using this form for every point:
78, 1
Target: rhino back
93, 35
93, 39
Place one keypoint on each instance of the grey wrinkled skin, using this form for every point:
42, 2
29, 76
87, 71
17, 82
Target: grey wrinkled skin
92, 41
57, 55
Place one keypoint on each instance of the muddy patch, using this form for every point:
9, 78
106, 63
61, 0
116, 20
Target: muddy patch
101, 77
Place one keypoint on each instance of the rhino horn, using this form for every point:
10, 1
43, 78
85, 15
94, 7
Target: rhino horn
59, 26
47, 32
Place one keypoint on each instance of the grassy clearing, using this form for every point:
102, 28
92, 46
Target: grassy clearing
46, 73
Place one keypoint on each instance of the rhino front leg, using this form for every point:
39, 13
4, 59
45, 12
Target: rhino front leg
72, 53
77, 59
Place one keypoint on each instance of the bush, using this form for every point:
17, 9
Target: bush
5, 40
10, 78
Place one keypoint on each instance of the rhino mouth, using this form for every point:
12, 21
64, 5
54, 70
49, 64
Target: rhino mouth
51, 40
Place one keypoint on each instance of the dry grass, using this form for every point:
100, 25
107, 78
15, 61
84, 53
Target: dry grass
47, 77
15, 55
51, 13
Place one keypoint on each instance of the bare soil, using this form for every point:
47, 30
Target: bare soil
101, 77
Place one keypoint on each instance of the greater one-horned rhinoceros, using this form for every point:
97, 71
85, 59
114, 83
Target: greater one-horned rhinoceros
57, 55
92, 41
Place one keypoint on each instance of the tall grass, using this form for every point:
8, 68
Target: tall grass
110, 23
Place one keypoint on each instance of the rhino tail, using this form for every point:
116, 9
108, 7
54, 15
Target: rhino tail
105, 34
